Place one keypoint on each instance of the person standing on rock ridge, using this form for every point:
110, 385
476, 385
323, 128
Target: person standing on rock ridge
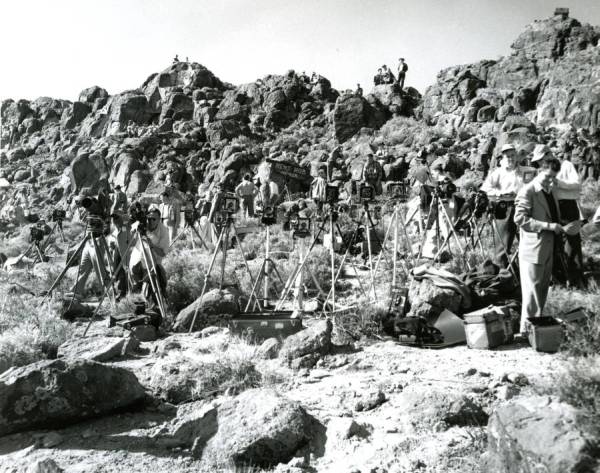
502, 185
358, 92
378, 79
176, 59
402, 69
537, 215
119, 205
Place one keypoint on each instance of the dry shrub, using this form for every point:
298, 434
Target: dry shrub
29, 331
185, 270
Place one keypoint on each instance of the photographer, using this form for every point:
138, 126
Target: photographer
157, 236
502, 186
118, 241
318, 189
372, 174
170, 214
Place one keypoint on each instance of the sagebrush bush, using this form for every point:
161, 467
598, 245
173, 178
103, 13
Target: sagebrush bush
29, 331
185, 269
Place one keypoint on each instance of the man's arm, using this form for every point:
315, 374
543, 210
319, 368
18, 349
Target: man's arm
490, 185
523, 214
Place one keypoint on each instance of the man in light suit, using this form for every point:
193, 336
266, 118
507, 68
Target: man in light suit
537, 215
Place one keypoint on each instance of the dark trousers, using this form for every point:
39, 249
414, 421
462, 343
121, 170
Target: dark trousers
570, 255
504, 236
401, 77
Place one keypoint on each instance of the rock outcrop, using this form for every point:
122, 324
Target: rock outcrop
55, 393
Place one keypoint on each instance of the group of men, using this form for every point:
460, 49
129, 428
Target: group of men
386, 76
543, 204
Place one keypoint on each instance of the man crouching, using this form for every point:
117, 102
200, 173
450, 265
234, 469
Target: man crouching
157, 237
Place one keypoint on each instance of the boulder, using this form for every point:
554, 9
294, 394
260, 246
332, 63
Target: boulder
138, 182
123, 168
125, 107
538, 433
74, 115
514, 122
22, 175
351, 113
423, 406
214, 307
486, 113
258, 427
428, 300
268, 349
315, 340
504, 111
47, 465
88, 170
91, 94
178, 106
54, 393
97, 348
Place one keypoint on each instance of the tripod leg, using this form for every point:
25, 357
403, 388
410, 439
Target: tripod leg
238, 242
179, 235
153, 275
111, 282
299, 267
66, 268
369, 248
202, 242
100, 268
205, 284
255, 287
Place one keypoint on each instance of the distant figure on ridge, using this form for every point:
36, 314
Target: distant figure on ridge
402, 68
378, 79
388, 76
359, 91
176, 59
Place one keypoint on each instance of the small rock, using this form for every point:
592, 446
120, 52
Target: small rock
370, 401
144, 333
506, 392
470, 372
516, 378
88, 433
268, 349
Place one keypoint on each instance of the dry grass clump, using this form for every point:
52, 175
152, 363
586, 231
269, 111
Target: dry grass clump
185, 269
29, 332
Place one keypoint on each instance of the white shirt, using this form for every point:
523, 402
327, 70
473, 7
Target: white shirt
502, 181
568, 184
159, 237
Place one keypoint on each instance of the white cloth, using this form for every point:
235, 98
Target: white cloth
501, 181
568, 183
596, 218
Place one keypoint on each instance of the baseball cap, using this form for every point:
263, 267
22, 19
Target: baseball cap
539, 152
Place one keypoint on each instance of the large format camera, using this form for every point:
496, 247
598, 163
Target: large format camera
445, 190
137, 214
37, 233
268, 215
58, 215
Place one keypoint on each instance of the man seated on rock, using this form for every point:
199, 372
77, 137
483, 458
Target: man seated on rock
388, 76
502, 186
246, 192
157, 247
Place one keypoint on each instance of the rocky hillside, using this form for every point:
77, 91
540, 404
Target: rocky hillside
187, 124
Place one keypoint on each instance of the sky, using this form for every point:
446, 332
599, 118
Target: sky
56, 48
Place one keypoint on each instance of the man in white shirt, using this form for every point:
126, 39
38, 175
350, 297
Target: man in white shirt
567, 190
246, 192
502, 186
157, 237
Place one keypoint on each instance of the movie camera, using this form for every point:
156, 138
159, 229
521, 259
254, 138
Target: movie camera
399, 190
300, 226
366, 194
58, 215
137, 214
38, 231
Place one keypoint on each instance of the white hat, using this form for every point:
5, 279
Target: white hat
539, 152
507, 147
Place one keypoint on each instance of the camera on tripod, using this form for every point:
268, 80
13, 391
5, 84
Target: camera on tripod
37, 233
444, 190
229, 204
398, 190
332, 194
498, 208
300, 226
190, 216
268, 215
366, 193
95, 225
58, 215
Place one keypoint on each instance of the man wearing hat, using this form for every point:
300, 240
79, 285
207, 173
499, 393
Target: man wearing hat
502, 186
402, 68
372, 174
568, 190
157, 236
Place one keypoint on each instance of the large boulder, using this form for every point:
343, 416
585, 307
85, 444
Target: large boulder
351, 113
123, 168
258, 427
138, 182
538, 434
88, 170
91, 94
125, 107
74, 115
177, 106
213, 308
313, 341
54, 393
